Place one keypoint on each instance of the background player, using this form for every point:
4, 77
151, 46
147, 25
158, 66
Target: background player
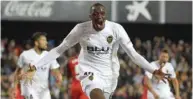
99, 40
38, 89
17, 87
75, 87
159, 88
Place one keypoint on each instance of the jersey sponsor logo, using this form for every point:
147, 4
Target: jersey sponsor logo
96, 50
109, 39
41, 68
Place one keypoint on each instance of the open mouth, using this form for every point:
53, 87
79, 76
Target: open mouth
99, 23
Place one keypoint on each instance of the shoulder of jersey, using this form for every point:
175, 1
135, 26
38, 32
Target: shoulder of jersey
27, 51
169, 64
88, 23
84, 24
114, 24
31, 51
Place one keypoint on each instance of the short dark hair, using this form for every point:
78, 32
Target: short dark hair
164, 51
95, 5
37, 35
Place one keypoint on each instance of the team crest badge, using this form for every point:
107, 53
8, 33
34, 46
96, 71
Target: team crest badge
109, 39
91, 77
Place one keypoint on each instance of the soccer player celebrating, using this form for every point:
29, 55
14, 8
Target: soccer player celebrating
38, 88
98, 62
161, 89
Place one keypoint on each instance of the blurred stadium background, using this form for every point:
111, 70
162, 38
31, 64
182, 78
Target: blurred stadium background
167, 24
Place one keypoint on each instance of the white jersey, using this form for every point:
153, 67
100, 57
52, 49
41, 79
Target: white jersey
168, 68
98, 48
40, 79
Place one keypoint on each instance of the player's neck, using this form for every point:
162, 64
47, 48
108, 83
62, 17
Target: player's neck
161, 63
37, 50
97, 29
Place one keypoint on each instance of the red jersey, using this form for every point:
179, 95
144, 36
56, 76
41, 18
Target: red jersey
18, 92
145, 90
73, 62
75, 87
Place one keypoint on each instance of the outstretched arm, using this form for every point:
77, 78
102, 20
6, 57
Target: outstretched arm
135, 57
72, 38
128, 47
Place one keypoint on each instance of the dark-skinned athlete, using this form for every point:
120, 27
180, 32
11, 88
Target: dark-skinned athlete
98, 62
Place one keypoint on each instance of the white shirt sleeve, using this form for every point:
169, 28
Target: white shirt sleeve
171, 71
54, 65
127, 45
148, 74
20, 62
71, 39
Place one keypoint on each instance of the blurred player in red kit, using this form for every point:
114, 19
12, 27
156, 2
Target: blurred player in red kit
75, 86
145, 89
17, 92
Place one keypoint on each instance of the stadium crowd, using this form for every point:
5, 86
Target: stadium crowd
130, 85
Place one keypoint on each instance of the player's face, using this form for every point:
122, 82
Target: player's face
98, 17
164, 57
42, 43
